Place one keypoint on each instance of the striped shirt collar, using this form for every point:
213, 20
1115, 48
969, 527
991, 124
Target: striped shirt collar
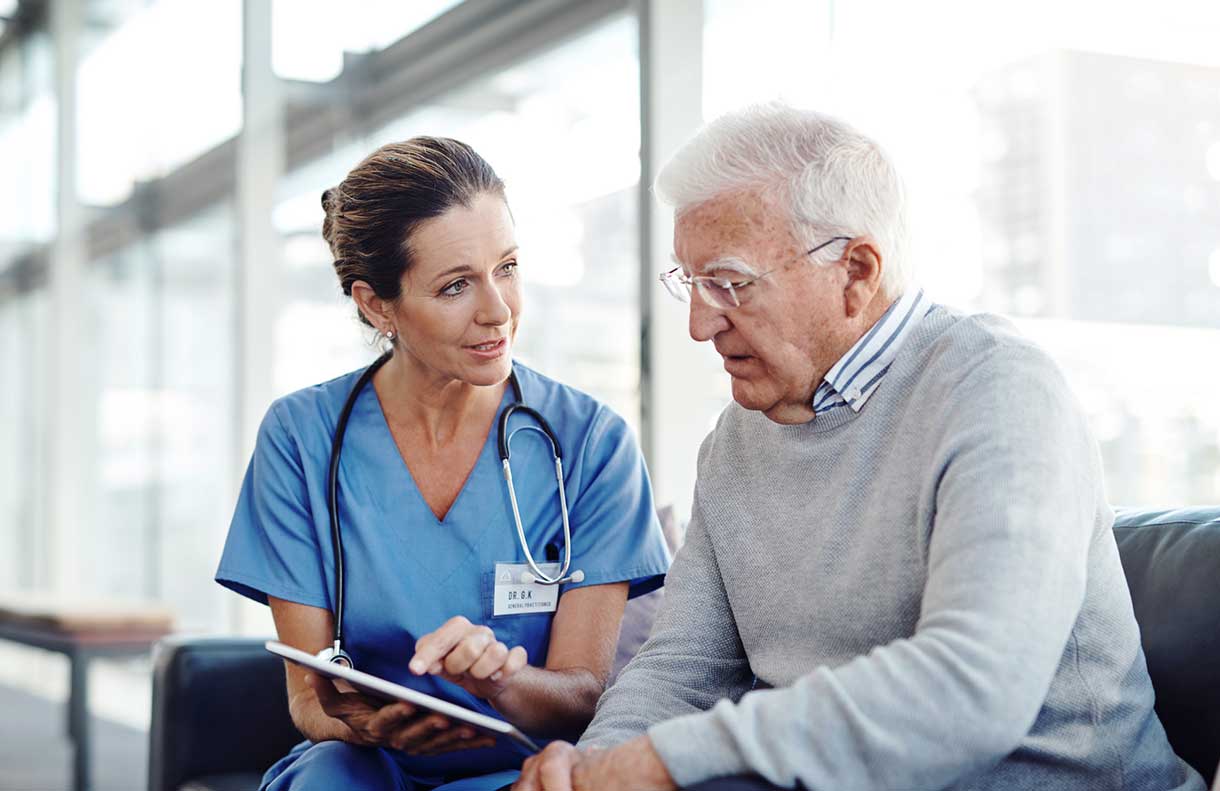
857, 374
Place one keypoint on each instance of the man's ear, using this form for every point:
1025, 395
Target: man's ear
374, 308
864, 266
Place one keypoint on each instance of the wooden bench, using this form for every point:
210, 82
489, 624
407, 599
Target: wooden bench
82, 630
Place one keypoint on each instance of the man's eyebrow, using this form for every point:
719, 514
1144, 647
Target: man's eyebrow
728, 262
731, 263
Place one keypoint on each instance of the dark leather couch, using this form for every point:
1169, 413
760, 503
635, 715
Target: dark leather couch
1172, 562
220, 715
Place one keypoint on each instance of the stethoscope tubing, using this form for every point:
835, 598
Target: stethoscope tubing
540, 577
332, 503
503, 440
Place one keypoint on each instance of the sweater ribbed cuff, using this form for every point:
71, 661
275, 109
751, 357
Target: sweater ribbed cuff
697, 747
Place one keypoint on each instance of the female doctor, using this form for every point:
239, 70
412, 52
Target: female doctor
424, 243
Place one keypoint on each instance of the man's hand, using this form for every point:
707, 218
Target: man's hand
632, 766
549, 770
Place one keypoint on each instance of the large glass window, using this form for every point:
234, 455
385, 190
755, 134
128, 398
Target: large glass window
119, 370
160, 87
27, 145
27, 221
310, 37
23, 550
159, 373
195, 411
1065, 174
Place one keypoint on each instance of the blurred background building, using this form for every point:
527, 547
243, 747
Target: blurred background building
163, 276
1099, 206
1095, 166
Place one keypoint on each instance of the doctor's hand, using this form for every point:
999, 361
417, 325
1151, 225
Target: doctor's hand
631, 766
468, 655
398, 726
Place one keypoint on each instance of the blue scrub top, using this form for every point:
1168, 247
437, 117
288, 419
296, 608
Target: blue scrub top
407, 572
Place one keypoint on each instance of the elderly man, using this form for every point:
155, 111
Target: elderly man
899, 571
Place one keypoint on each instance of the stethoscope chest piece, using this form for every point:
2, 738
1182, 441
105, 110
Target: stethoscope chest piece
336, 656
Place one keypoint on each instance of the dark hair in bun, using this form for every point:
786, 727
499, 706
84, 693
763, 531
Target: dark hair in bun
371, 215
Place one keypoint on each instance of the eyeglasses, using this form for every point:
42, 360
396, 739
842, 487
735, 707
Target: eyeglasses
721, 292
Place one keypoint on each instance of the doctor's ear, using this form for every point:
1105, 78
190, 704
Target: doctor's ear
376, 311
864, 266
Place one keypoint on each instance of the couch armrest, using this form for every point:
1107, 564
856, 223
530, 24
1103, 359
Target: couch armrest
219, 705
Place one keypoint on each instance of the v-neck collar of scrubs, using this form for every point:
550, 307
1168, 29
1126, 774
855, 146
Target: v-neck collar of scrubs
487, 449
380, 497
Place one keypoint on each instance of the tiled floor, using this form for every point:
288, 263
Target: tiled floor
35, 754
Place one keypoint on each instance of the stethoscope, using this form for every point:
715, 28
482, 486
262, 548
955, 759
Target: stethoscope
535, 575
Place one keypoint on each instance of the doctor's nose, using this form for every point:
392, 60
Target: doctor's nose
496, 305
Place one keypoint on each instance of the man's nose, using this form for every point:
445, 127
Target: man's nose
706, 321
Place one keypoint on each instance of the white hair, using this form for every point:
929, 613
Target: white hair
834, 180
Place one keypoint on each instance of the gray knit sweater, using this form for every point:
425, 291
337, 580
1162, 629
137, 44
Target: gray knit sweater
930, 585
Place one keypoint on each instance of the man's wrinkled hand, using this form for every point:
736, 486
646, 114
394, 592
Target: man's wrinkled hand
632, 766
549, 770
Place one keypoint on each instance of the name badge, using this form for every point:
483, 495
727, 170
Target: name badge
514, 597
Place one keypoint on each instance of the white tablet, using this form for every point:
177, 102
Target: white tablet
388, 690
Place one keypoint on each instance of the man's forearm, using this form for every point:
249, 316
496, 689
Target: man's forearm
693, 658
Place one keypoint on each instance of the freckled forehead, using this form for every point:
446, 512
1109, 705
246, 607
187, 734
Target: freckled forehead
738, 222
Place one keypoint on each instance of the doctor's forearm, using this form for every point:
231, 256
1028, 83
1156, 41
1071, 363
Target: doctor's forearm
313, 723
551, 703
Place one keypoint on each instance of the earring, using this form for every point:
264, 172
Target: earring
389, 335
